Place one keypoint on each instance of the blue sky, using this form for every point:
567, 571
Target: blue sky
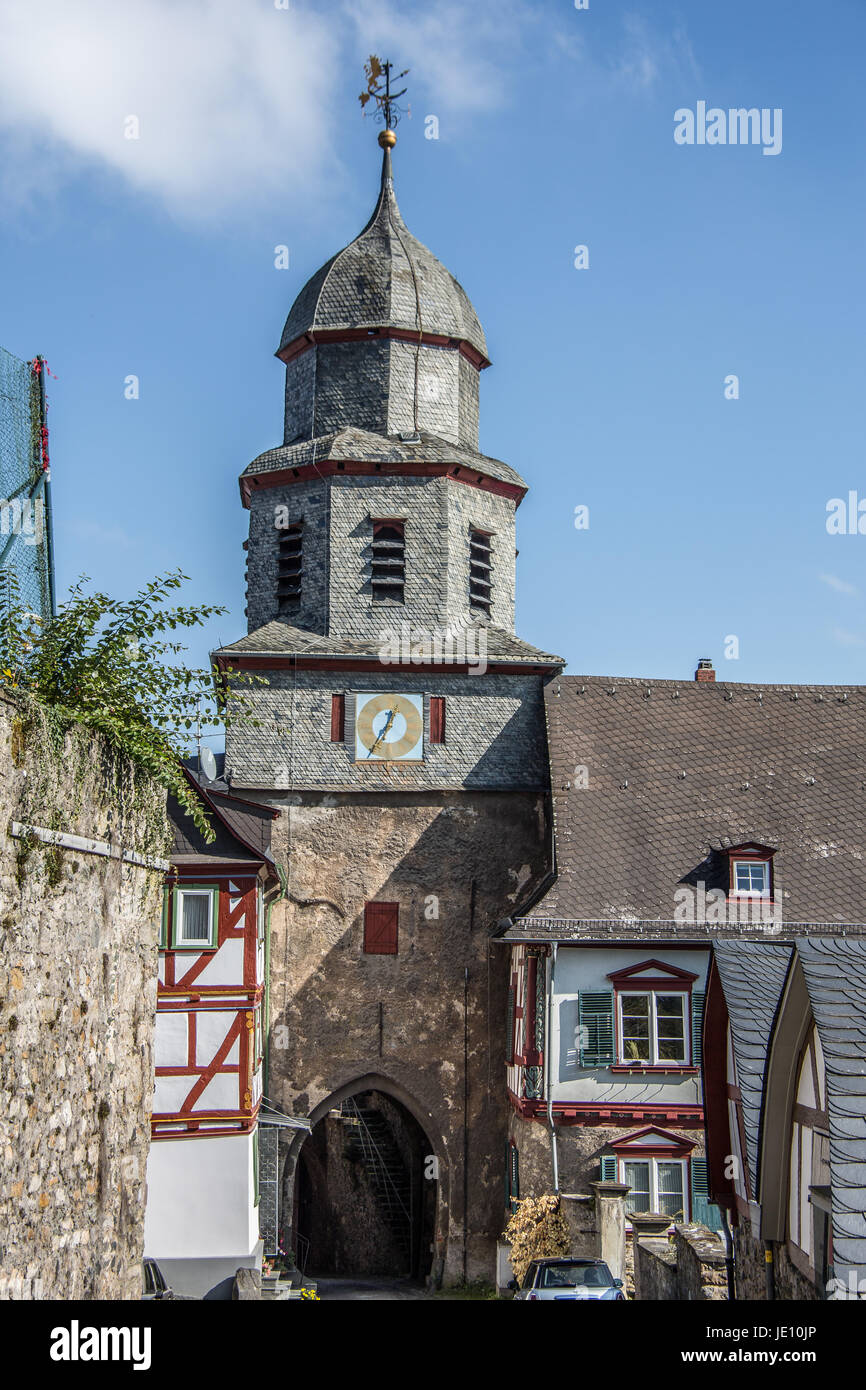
155, 257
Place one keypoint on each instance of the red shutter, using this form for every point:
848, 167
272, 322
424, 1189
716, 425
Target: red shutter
338, 718
437, 719
380, 928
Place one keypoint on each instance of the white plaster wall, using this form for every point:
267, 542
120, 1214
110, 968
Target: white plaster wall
200, 1199
588, 968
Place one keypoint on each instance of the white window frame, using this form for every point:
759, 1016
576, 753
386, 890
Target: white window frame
654, 1060
211, 891
736, 892
653, 1160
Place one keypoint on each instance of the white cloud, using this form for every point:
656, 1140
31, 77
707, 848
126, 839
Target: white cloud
231, 97
840, 585
240, 102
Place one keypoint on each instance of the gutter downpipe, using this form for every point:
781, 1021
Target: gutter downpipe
554, 1155
729, 1255
266, 1027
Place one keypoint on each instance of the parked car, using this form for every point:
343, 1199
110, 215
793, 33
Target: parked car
568, 1279
153, 1281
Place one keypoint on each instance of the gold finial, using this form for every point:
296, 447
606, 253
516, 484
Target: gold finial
379, 89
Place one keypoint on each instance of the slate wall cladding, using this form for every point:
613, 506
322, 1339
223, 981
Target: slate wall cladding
78, 960
455, 865
300, 397
336, 595
494, 734
370, 384
308, 502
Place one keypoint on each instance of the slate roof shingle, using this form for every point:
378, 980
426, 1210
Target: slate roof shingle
279, 639
680, 770
752, 975
386, 277
363, 446
835, 974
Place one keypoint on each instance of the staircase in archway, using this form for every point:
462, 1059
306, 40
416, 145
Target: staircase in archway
370, 1137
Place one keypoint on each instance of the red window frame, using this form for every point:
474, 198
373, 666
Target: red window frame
381, 929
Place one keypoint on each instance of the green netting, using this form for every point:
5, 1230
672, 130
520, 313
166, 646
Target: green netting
25, 545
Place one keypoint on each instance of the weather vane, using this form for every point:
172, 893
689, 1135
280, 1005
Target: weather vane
379, 90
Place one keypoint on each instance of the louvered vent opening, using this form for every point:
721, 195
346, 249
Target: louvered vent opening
480, 571
291, 559
388, 561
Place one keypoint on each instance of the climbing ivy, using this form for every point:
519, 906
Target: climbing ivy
111, 665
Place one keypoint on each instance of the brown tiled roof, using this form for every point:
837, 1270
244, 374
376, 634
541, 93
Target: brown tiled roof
677, 772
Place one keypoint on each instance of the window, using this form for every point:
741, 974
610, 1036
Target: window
750, 871
290, 566
338, 718
751, 876
437, 719
388, 561
380, 928
195, 916
480, 570
653, 1028
657, 1184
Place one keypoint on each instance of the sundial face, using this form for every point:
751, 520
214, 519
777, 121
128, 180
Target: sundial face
389, 728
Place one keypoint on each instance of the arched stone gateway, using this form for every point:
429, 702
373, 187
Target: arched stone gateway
369, 1186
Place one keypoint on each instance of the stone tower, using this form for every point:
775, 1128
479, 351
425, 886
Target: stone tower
400, 738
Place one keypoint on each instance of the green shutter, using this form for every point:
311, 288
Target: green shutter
697, 1026
163, 926
607, 1164
509, 1041
595, 1036
703, 1209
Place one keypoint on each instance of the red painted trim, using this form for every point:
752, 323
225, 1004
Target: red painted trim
715, 1075
676, 1146
674, 976
200, 1069
637, 1068
298, 346
609, 1116
328, 468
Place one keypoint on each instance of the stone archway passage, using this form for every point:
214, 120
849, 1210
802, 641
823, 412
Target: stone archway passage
366, 1200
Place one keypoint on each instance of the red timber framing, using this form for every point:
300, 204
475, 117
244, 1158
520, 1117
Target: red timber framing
182, 991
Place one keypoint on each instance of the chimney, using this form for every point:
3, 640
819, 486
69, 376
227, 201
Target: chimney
705, 670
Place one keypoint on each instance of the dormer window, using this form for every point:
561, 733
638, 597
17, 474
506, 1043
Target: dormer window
750, 871
388, 560
480, 570
291, 559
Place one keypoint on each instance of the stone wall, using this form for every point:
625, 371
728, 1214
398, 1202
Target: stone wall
427, 1025
78, 965
690, 1269
751, 1270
